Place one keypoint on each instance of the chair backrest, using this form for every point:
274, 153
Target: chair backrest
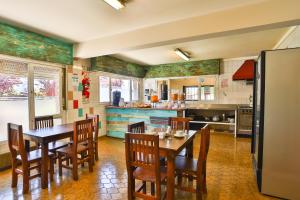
143, 151
43, 122
83, 133
179, 123
16, 142
138, 127
204, 148
95, 119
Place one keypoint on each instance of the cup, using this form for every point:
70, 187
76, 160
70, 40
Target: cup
179, 132
161, 135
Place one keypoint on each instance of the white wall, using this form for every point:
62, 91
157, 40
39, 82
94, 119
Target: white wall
292, 40
232, 92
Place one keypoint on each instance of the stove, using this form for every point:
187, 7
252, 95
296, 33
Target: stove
244, 123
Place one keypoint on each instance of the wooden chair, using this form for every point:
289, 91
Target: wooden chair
180, 123
83, 134
138, 127
44, 122
95, 119
196, 169
142, 160
29, 160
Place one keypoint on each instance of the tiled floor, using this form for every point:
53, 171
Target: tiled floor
230, 175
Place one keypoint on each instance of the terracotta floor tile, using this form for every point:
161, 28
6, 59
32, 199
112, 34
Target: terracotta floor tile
229, 175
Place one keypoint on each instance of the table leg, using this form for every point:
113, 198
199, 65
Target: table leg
190, 154
27, 145
171, 176
44, 170
190, 149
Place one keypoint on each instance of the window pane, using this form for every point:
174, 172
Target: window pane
207, 93
104, 88
191, 93
13, 96
123, 86
47, 91
135, 90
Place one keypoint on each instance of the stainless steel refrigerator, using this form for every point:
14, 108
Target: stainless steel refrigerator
277, 123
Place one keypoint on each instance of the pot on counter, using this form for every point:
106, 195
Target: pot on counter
216, 118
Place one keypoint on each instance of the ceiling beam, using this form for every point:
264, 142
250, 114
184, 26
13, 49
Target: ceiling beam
267, 14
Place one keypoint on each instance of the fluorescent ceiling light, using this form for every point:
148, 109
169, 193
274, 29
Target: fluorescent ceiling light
182, 54
116, 4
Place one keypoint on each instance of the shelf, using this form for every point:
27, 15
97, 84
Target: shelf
211, 122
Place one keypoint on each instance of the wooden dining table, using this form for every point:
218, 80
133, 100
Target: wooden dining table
170, 147
44, 136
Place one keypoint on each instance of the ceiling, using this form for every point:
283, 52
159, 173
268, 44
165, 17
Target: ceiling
83, 20
233, 46
143, 25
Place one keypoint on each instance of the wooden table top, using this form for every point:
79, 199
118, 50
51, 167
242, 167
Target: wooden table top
50, 131
176, 144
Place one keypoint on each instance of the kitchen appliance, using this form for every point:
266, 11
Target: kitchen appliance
276, 123
245, 72
116, 97
244, 125
164, 91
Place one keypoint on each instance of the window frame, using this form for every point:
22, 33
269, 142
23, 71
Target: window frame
191, 86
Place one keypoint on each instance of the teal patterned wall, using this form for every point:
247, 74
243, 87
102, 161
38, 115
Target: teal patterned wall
117, 119
117, 66
194, 68
22, 43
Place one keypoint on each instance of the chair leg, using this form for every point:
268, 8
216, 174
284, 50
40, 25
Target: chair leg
179, 179
75, 168
60, 165
96, 151
52, 161
131, 186
144, 187
204, 187
198, 190
91, 159
82, 154
152, 189
25, 180
14, 181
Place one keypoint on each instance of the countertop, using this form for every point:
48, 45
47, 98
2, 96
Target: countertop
178, 109
214, 107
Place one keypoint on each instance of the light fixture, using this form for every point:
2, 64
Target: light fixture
182, 54
116, 4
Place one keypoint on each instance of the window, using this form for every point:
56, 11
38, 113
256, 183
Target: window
191, 93
104, 88
26, 91
47, 91
122, 86
128, 88
207, 93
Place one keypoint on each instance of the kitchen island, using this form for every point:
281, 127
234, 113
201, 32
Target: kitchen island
118, 118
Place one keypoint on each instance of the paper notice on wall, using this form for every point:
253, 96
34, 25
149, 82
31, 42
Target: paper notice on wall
75, 81
224, 83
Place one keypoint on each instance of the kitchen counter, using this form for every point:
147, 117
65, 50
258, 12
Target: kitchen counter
215, 107
118, 118
177, 109
201, 111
